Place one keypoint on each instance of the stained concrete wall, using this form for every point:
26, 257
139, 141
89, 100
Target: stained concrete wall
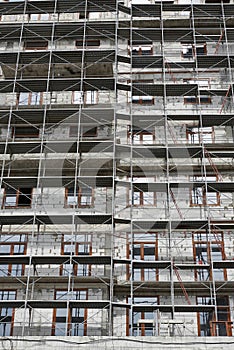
116, 343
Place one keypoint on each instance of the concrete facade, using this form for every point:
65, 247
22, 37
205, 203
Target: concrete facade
116, 154
115, 343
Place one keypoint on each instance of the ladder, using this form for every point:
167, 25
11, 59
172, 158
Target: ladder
181, 284
215, 234
176, 205
170, 71
218, 43
214, 167
225, 100
172, 133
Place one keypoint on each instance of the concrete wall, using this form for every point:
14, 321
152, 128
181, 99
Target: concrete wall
116, 343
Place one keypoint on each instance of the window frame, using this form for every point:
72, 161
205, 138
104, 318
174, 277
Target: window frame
141, 132
209, 244
29, 98
79, 99
203, 83
143, 202
146, 100
137, 48
141, 331
18, 193
68, 315
39, 16
131, 255
198, 178
36, 45
200, 132
204, 200
194, 100
142, 194
12, 245
213, 323
194, 50
12, 316
78, 198
89, 97
85, 267
219, 323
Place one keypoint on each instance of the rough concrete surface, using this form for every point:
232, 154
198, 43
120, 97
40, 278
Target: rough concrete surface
65, 343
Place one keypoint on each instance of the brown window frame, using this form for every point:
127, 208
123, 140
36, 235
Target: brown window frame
39, 16
190, 100
199, 132
199, 179
12, 245
212, 328
140, 45
195, 100
18, 193
68, 315
198, 47
143, 245
204, 100
77, 245
12, 316
29, 98
141, 133
89, 97
141, 100
194, 50
79, 195
142, 194
226, 323
142, 199
140, 51
143, 328
209, 245
200, 198
208, 315
36, 45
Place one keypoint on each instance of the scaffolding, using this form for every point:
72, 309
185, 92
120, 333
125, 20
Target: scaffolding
116, 168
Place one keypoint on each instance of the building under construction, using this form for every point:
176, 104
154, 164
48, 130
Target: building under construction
116, 154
